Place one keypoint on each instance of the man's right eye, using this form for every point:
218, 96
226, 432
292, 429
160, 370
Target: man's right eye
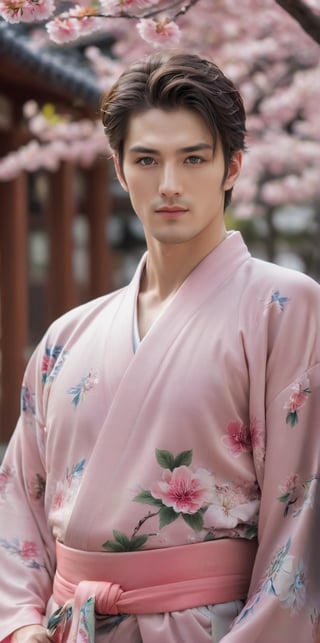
145, 160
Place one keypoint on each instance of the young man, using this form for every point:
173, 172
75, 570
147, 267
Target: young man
162, 483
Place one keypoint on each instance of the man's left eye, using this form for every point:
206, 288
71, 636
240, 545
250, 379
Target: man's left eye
194, 160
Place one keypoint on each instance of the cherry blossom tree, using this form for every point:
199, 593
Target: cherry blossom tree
156, 17
260, 46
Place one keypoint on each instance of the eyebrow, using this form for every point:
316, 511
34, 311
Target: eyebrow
186, 150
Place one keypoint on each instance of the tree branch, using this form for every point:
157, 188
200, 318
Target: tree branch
149, 13
309, 21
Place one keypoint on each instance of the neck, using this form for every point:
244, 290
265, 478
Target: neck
168, 265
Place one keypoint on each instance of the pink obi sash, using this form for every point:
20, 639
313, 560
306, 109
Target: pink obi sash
153, 580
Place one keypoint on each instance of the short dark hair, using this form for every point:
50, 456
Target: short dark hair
171, 81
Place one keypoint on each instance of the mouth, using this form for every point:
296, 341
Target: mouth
171, 212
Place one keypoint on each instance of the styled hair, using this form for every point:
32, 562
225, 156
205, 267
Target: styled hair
173, 81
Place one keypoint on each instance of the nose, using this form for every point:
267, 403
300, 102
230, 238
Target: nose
170, 183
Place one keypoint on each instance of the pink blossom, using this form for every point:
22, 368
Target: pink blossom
12, 10
38, 10
238, 439
183, 490
164, 33
63, 28
87, 20
28, 549
26, 10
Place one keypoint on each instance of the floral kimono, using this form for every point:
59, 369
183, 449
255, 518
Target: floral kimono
208, 430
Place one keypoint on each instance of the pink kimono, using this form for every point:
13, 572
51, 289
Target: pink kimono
208, 431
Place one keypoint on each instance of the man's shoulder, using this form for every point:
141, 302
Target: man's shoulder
270, 275
84, 314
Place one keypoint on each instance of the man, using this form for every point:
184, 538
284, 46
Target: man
161, 483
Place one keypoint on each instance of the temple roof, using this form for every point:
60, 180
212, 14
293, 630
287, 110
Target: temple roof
57, 73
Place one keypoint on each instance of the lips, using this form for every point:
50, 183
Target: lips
171, 208
170, 211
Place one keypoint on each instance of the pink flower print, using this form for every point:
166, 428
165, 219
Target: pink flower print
25, 550
59, 496
238, 440
288, 492
297, 399
28, 550
290, 485
183, 490
6, 478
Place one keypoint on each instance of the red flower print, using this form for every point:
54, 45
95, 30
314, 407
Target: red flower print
45, 363
238, 439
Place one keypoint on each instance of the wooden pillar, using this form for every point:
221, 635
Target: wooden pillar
61, 209
14, 298
98, 207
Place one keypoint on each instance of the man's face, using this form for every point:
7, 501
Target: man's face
174, 176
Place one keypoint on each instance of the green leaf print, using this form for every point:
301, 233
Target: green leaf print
168, 461
167, 515
183, 458
146, 498
195, 521
251, 532
284, 498
165, 459
292, 418
137, 542
122, 543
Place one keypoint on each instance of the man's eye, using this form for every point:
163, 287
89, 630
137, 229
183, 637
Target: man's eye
194, 160
145, 160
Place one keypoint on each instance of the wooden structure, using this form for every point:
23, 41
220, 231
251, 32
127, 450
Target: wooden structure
27, 75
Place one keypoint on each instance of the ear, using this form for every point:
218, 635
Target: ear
119, 172
234, 169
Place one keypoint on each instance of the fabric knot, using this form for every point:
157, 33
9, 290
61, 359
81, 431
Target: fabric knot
107, 597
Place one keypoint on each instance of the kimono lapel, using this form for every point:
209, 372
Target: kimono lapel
123, 432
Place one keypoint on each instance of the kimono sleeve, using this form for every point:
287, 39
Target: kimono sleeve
284, 597
27, 552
